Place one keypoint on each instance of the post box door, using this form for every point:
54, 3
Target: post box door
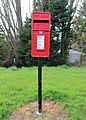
40, 44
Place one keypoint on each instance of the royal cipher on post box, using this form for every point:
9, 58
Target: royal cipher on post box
40, 34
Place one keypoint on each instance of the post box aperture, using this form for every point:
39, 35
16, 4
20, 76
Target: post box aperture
40, 34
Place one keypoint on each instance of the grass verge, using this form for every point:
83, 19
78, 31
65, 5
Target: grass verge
61, 84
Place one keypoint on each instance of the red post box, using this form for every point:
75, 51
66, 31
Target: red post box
40, 34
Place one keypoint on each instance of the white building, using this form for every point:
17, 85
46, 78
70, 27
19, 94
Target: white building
74, 56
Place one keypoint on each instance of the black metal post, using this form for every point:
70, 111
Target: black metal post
39, 85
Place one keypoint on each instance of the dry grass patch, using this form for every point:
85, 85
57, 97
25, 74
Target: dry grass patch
51, 111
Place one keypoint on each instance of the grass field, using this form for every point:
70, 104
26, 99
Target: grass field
61, 84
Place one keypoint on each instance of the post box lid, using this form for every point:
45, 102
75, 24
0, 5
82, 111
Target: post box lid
41, 16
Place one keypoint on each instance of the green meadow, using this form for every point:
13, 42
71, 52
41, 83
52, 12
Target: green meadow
63, 84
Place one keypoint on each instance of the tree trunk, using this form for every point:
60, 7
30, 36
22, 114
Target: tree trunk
38, 5
11, 19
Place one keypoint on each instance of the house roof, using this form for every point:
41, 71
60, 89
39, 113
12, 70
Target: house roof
74, 51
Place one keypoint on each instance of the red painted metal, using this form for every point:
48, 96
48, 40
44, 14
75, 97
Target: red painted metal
40, 34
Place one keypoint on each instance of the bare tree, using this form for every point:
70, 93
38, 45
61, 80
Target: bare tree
18, 12
43, 5
11, 20
34, 5
74, 3
10, 15
29, 7
38, 5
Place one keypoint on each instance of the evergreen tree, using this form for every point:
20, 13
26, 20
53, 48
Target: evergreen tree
24, 48
4, 47
61, 17
79, 28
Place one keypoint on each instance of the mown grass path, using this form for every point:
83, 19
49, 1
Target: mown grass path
61, 84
